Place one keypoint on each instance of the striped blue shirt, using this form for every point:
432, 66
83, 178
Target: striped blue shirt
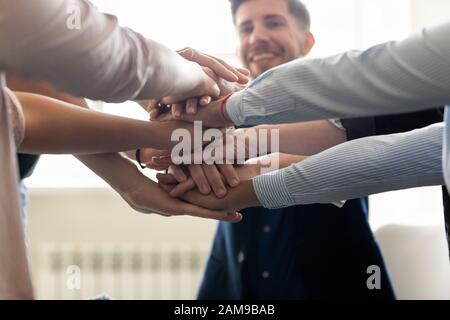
396, 77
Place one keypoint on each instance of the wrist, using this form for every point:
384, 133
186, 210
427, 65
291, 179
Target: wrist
244, 196
206, 86
223, 110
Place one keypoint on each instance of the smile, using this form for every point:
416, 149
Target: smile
263, 56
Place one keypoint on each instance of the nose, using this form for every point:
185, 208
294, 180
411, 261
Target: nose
259, 35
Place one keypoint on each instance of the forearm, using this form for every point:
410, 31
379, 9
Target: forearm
56, 127
120, 173
302, 138
97, 59
274, 161
15, 280
358, 168
405, 76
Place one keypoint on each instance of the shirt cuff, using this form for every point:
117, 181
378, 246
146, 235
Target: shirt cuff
272, 191
235, 108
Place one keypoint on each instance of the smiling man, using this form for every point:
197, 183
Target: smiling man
301, 252
271, 33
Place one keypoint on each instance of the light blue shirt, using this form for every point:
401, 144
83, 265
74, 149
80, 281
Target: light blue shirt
396, 77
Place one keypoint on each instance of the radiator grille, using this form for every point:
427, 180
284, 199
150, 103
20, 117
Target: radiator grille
68, 271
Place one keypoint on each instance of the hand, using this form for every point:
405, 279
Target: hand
207, 177
189, 106
151, 158
241, 197
226, 78
211, 115
204, 177
218, 66
146, 196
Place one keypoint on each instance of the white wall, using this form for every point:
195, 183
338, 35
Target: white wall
426, 13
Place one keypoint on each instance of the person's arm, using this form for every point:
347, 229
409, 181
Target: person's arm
306, 138
15, 279
143, 194
396, 77
293, 139
182, 182
53, 126
358, 168
350, 170
95, 58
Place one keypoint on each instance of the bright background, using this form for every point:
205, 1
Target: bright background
206, 25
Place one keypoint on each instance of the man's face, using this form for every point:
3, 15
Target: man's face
269, 35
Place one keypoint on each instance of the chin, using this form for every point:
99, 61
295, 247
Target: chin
258, 69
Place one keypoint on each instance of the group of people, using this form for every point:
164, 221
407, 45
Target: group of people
349, 126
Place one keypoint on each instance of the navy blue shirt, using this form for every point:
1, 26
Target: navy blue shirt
301, 252
304, 252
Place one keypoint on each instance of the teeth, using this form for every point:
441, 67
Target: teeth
263, 56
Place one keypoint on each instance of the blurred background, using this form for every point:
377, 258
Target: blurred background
84, 240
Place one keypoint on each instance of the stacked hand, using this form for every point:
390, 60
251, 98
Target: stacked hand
213, 186
194, 182
220, 79
146, 196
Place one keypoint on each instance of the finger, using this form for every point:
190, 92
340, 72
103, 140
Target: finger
204, 101
242, 77
199, 178
186, 53
230, 174
219, 67
147, 154
178, 173
183, 187
162, 161
166, 187
166, 178
154, 113
191, 106
192, 210
215, 180
177, 110
156, 167
165, 117
244, 71
153, 108
157, 112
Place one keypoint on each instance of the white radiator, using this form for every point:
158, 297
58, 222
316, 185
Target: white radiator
69, 271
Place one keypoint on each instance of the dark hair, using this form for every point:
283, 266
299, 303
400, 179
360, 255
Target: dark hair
296, 8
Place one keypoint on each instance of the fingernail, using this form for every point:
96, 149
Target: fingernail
221, 192
234, 182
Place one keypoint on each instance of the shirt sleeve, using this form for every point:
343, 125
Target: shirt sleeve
82, 51
396, 77
358, 168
